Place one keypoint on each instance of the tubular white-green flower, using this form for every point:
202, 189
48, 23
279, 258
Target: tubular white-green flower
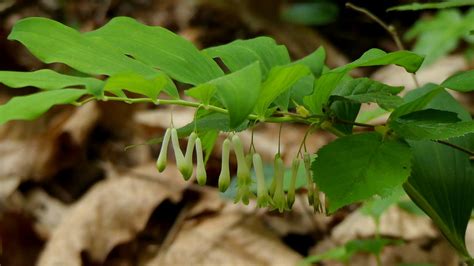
263, 199
279, 199
224, 177
309, 178
188, 157
201, 174
243, 172
163, 157
294, 174
178, 154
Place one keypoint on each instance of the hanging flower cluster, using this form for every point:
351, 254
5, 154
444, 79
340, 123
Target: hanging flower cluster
273, 196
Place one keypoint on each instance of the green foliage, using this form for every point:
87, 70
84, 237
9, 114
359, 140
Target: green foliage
366, 165
150, 87
463, 82
317, 12
441, 34
439, 5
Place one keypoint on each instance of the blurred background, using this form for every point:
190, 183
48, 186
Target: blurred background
75, 189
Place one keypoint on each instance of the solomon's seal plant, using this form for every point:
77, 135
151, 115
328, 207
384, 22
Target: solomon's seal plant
426, 145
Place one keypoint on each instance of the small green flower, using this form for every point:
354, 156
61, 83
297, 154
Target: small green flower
279, 199
183, 166
224, 177
294, 174
163, 157
201, 174
263, 199
243, 172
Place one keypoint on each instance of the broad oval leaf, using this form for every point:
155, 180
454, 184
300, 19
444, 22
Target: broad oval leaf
463, 82
160, 48
53, 42
356, 167
32, 106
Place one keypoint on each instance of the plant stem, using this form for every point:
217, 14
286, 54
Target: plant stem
342, 121
389, 28
452, 145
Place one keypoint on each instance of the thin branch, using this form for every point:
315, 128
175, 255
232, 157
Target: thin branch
452, 145
389, 28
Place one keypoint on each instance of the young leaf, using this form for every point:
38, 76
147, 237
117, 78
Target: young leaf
328, 82
280, 80
53, 42
241, 53
356, 167
32, 106
149, 86
441, 184
463, 82
160, 48
431, 124
239, 92
47, 79
203, 92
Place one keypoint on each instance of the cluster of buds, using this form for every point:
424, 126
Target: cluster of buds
273, 196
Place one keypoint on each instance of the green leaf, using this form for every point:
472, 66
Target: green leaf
32, 106
47, 79
210, 122
328, 82
431, 124
415, 105
315, 61
435, 39
241, 53
53, 42
239, 92
463, 82
319, 13
203, 92
148, 86
280, 80
439, 5
160, 48
377, 206
441, 183
356, 167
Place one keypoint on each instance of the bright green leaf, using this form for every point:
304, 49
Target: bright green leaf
415, 105
431, 124
315, 61
148, 86
160, 48
203, 92
319, 13
53, 42
439, 5
463, 81
280, 80
356, 167
241, 53
32, 106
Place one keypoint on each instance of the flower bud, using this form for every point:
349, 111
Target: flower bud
163, 157
309, 179
201, 174
263, 199
243, 172
183, 167
294, 174
224, 177
279, 199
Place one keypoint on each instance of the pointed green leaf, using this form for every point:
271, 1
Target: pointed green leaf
463, 82
203, 92
160, 48
239, 92
47, 79
315, 61
31, 106
415, 105
53, 42
241, 53
148, 86
356, 167
431, 124
280, 80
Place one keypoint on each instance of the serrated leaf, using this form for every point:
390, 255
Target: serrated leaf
32, 106
53, 42
356, 167
439, 5
239, 92
319, 13
431, 124
47, 79
441, 184
148, 86
160, 48
280, 80
203, 92
241, 53
328, 82
463, 82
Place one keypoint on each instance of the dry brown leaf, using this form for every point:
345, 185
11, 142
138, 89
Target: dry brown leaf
470, 237
394, 222
230, 238
111, 212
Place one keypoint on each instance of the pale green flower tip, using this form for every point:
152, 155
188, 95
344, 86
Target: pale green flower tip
201, 179
223, 184
160, 166
186, 171
264, 201
290, 200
